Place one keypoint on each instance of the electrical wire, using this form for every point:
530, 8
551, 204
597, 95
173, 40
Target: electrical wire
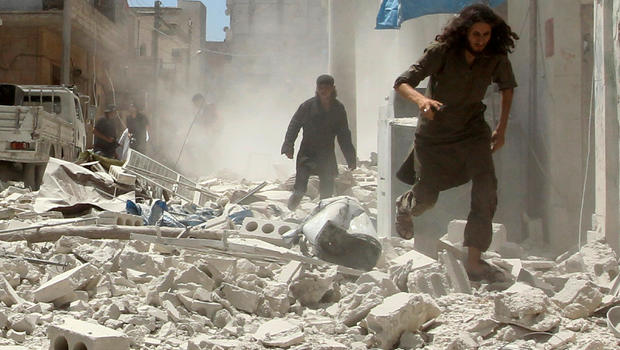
585, 176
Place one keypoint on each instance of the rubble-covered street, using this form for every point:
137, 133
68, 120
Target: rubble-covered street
233, 282
309, 174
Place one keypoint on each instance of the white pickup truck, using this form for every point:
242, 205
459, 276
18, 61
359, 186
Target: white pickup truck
37, 122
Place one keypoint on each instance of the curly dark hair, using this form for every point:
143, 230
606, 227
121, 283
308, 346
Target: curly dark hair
455, 33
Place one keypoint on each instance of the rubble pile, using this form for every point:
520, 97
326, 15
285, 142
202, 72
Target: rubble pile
234, 281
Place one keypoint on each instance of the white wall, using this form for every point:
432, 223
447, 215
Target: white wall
381, 55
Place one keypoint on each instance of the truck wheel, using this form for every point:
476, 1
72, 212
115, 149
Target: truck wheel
39, 170
28, 175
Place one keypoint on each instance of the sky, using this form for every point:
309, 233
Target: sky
216, 18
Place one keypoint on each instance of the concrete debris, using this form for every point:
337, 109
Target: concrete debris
279, 333
431, 280
7, 293
84, 276
356, 306
381, 280
240, 298
410, 340
526, 307
399, 313
75, 334
402, 266
312, 286
225, 284
456, 273
579, 298
463, 341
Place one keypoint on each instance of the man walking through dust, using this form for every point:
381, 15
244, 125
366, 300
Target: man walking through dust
453, 143
323, 118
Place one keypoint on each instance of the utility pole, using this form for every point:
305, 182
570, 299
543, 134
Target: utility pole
533, 203
65, 76
606, 126
155, 56
189, 50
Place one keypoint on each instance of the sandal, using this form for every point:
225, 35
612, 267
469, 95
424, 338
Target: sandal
489, 273
404, 225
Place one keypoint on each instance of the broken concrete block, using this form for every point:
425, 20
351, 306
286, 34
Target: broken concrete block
107, 312
456, 273
538, 264
398, 313
579, 298
18, 337
75, 334
7, 294
409, 340
222, 318
279, 333
120, 219
204, 341
529, 278
78, 306
356, 306
207, 309
166, 282
194, 275
463, 341
600, 261
242, 299
23, 322
403, 265
138, 276
275, 301
560, 340
4, 320
172, 311
431, 280
310, 288
266, 230
380, 279
121, 176
527, 307
84, 276
289, 272
483, 327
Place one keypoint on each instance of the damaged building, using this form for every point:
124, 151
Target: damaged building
139, 254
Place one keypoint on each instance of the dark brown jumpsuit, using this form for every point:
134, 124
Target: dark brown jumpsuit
316, 154
455, 147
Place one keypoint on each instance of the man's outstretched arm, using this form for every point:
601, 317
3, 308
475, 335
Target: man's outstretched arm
292, 132
499, 134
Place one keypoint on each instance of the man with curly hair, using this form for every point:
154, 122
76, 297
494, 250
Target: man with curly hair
453, 143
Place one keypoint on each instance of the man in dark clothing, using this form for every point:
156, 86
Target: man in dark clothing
105, 134
453, 143
138, 126
323, 118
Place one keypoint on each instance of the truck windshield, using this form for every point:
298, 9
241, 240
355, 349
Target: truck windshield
47, 104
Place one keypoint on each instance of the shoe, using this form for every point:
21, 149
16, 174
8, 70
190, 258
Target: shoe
294, 200
404, 225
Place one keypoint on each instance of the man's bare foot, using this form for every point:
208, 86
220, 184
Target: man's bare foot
482, 271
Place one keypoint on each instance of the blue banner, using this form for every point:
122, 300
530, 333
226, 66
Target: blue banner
394, 12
